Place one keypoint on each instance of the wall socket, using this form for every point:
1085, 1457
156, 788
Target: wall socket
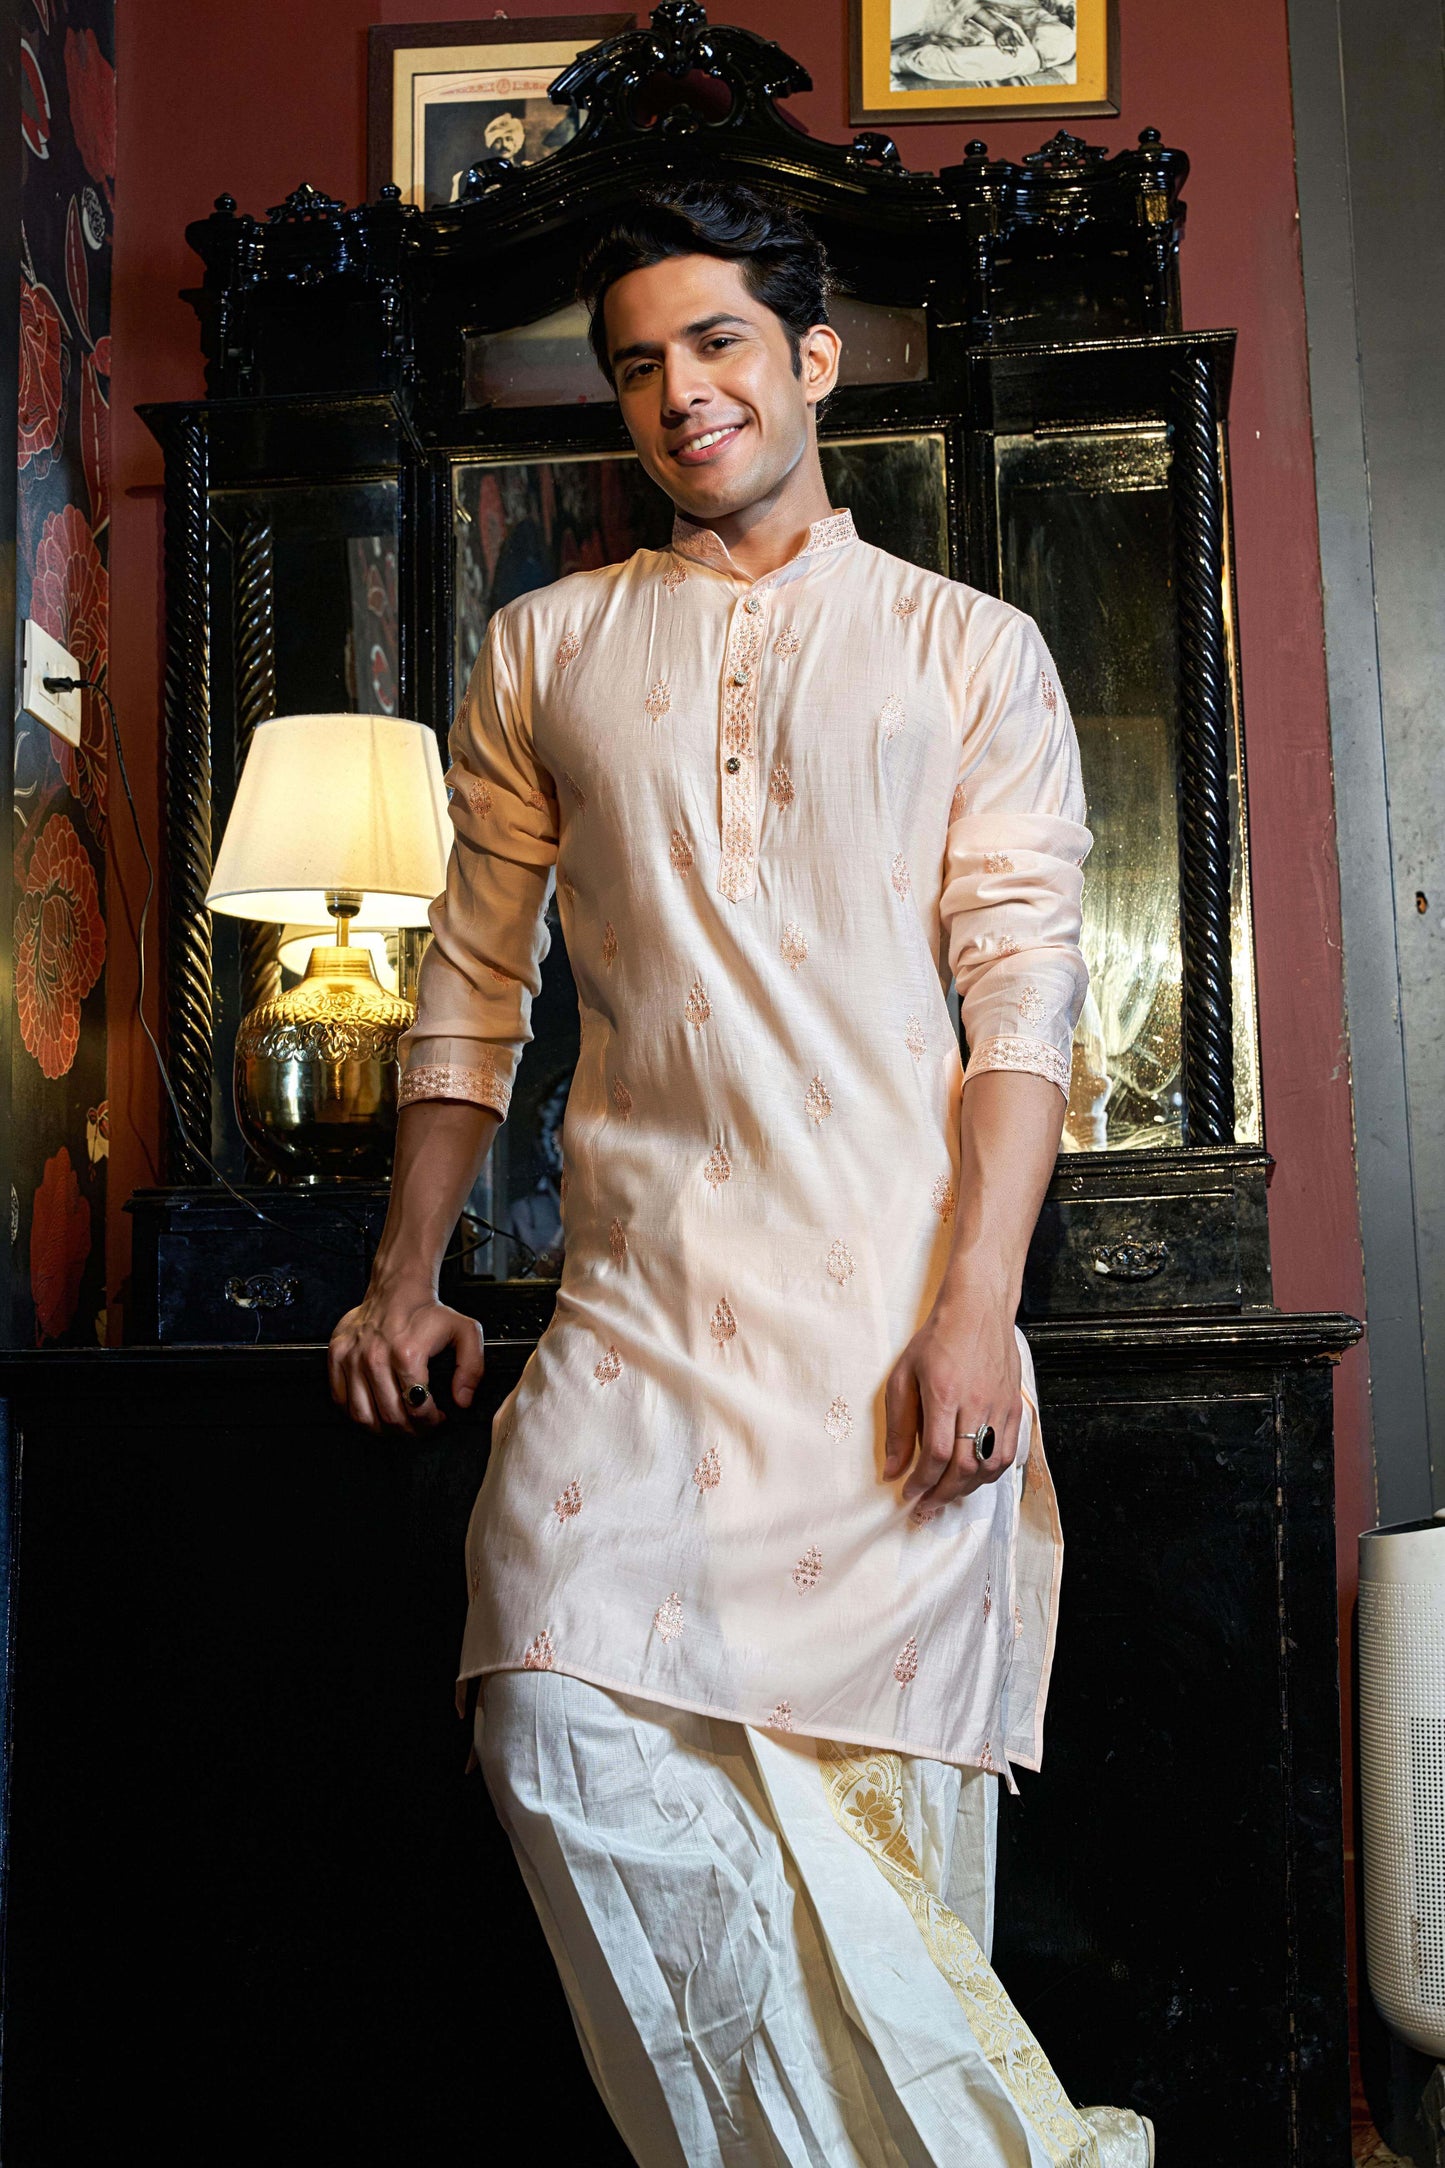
45, 657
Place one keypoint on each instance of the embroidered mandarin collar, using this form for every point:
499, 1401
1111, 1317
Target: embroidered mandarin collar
703, 547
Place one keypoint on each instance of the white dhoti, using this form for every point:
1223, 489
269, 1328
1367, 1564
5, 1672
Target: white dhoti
775, 1950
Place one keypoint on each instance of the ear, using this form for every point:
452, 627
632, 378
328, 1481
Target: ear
819, 352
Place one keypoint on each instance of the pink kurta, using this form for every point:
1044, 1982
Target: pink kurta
780, 813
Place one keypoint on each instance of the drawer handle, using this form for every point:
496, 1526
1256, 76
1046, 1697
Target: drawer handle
1130, 1260
263, 1291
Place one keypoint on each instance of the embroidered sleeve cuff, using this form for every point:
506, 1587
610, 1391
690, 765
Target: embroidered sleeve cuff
1035, 1056
429, 1080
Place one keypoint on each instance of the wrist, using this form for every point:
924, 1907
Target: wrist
402, 1278
972, 1283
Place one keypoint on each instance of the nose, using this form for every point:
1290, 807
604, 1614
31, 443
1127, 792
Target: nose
684, 384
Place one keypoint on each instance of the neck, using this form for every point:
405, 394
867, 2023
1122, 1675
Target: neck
766, 533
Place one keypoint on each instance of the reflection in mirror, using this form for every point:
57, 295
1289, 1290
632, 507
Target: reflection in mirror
1085, 543
520, 524
549, 362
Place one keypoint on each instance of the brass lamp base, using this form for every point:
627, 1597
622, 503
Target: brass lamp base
316, 1074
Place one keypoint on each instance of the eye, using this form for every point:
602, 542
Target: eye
720, 338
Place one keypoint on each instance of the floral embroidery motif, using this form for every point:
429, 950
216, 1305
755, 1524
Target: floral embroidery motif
913, 1038
737, 874
816, 1102
698, 1008
839, 1419
988, 1595
608, 1367
905, 1663
840, 1263
668, 1619
679, 850
958, 804
622, 1099
717, 1167
570, 1502
724, 1325
899, 875
891, 718
807, 1570
904, 607
787, 643
780, 1717
708, 1472
1018, 1624
873, 1813
1033, 1008
536, 801
576, 789
617, 1241
1007, 946
674, 577
658, 701
1035, 1056
922, 1514
997, 862
503, 978
609, 944
941, 1197
482, 1087
793, 947
539, 1655
1050, 695
477, 795
780, 785
569, 647
568, 887
986, 1760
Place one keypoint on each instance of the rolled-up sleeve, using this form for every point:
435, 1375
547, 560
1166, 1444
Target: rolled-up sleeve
483, 966
1012, 880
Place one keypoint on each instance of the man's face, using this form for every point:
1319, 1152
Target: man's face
707, 386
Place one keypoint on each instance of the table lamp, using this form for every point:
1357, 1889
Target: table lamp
346, 815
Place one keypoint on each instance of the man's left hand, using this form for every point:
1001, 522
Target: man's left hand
960, 1370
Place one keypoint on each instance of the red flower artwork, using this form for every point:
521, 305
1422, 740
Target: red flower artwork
90, 79
70, 598
59, 945
44, 366
59, 1247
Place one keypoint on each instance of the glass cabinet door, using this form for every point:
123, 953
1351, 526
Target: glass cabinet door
1085, 540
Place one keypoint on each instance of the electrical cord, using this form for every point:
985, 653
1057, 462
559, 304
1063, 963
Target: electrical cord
74, 684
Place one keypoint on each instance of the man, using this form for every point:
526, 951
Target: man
764, 1569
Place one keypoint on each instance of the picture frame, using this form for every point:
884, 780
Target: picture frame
442, 97
980, 60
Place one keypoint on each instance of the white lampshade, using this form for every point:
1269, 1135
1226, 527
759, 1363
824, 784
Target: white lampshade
335, 802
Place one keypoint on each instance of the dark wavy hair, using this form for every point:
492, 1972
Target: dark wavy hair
782, 260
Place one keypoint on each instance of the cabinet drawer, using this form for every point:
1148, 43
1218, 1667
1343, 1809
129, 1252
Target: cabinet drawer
1131, 1253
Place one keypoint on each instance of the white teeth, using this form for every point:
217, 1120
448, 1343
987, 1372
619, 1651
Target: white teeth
697, 443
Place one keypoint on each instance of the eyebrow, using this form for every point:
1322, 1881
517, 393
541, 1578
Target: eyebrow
643, 350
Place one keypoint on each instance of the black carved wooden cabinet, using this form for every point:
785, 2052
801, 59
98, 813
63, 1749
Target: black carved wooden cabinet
402, 430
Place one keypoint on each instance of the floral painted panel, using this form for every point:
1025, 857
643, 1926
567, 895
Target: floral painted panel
58, 1040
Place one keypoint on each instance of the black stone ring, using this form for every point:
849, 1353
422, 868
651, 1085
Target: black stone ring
417, 1396
982, 1440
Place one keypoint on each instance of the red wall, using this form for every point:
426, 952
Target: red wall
257, 99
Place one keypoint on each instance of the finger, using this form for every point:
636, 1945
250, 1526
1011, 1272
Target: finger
936, 1449
470, 1343
385, 1391
409, 1364
900, 1401
358, 1399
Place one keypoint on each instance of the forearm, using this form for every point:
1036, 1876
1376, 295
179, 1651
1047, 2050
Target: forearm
1009, 1137
441, 1145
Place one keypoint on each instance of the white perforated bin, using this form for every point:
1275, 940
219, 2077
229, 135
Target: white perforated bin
1402, 1775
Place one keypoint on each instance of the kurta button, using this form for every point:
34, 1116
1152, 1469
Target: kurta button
740, 677
732, 764
752, 605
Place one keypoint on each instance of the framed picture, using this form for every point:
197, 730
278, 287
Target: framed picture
978, 60
442, 97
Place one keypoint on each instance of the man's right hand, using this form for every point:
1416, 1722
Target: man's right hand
386, 1344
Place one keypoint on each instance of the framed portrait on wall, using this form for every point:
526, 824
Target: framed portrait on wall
443, 97
977, 60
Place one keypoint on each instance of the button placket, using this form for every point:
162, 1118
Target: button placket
738, 749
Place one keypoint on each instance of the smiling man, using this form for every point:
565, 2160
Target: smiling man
764, 1571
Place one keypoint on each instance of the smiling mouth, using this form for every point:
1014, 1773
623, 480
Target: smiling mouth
698, 451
